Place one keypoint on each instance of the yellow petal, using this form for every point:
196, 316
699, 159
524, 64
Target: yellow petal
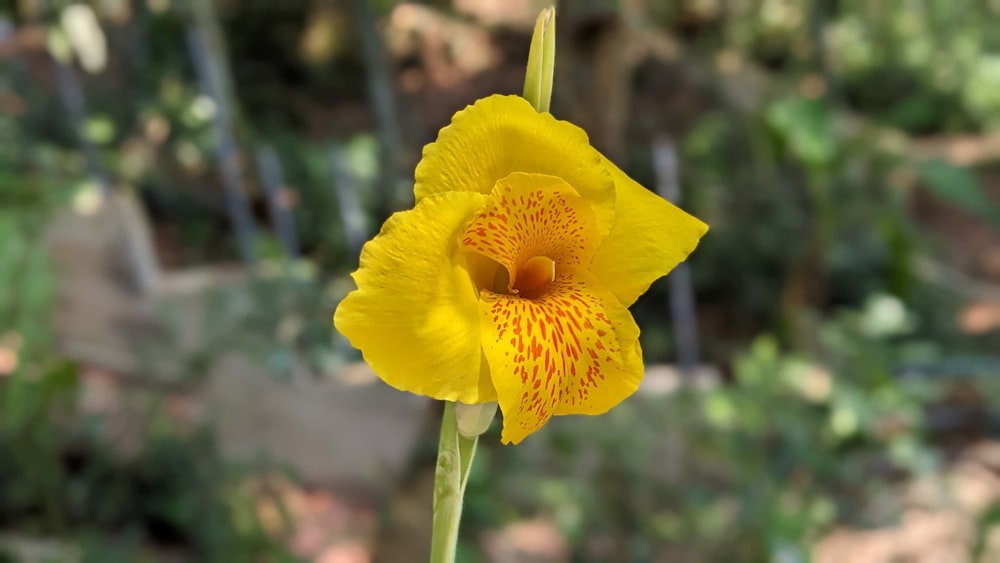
572, 350
415, 315
533, 216
500, 135
649, 237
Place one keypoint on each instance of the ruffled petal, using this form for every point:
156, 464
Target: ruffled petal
529, 216
571, 351
648, 239
415, 315
500, 135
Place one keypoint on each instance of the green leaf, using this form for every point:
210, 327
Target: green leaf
958, 186
99, 129
806, 126
987, 521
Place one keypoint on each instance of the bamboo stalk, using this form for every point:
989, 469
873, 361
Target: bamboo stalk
682, 303
208, 55
383, 100
352, 215
282, 219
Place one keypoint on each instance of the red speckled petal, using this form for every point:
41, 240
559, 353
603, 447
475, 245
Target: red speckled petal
530, 215
572, 350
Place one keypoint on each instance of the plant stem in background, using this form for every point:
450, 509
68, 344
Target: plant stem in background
383, 100
272, 177
76, 108
818, 16
207, 51
352, 214
682, 305
455, 455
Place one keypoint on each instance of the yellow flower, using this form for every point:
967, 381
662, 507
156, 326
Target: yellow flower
510, 279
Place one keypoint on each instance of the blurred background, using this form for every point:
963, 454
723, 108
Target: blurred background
185, 185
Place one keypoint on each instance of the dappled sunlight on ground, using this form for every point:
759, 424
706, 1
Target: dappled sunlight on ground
318, 524
939, 524
538, 541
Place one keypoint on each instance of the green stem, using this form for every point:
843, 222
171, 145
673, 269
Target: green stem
455, 454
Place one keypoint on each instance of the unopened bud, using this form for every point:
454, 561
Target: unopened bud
473, 420
541, 61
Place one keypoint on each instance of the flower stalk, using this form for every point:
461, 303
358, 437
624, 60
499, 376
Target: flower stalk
455, 455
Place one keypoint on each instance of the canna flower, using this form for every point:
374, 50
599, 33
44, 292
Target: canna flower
511, 277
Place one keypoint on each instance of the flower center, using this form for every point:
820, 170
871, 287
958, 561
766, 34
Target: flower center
534, 275
531, 225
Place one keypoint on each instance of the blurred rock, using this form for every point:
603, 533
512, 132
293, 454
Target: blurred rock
117, 312
30, 550
327, 431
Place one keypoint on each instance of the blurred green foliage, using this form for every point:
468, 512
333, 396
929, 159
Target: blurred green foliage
925, 67
813, 246
61, 475
754, 469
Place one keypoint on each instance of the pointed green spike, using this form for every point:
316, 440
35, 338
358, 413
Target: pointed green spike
541, 61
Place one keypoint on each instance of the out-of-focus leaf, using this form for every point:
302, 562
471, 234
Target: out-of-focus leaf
958, 186
987, 521
100, 129
807, 127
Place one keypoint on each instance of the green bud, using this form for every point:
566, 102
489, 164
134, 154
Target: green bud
473, 420
541, 61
